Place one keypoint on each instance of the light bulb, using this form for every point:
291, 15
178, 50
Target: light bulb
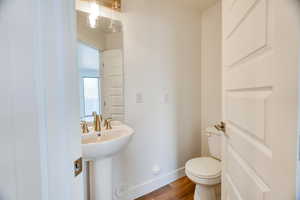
93, 21
94, 14
95, 9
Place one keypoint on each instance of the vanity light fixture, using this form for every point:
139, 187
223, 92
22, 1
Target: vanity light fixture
116, 5
110, 4
95, 11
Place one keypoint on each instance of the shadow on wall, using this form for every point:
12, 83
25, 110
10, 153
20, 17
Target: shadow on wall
1, 197
2, 3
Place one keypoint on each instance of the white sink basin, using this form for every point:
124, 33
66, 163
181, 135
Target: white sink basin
101, 149
108, 144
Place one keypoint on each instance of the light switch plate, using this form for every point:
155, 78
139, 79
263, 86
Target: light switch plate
139, 98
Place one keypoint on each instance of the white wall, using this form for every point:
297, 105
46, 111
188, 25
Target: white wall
162, 61
114, 41
211, 78
87, 57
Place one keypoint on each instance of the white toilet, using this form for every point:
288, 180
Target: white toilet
206, 171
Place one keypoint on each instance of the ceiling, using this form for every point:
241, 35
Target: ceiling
200, 4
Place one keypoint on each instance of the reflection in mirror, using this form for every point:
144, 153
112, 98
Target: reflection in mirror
100, 62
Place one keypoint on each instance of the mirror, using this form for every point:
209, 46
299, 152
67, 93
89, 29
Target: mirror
100, 63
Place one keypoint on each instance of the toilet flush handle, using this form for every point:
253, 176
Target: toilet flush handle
221, 127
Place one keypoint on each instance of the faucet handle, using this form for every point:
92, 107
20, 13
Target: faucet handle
221, 127
107, 123
84, 127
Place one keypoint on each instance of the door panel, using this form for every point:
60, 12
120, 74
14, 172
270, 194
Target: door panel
112, 89
243, 176
236, 11
260, 78
254, 103
232, 192
257, 154
244, 33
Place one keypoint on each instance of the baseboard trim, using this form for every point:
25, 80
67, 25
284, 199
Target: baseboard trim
151, 185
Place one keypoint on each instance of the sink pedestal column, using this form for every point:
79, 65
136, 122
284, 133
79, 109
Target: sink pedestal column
103, 179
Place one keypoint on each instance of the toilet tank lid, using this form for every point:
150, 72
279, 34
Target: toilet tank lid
213, 130
205, 167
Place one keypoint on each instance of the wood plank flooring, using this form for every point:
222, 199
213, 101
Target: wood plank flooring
182, 189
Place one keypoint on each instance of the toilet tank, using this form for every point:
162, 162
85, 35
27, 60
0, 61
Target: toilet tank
214, 142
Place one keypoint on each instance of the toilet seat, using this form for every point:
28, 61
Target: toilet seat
204, 170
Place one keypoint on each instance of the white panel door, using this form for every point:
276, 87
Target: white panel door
260, 76
112, 84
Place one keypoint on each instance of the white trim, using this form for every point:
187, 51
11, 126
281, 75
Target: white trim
150, 185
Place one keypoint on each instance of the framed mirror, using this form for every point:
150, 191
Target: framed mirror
100, 63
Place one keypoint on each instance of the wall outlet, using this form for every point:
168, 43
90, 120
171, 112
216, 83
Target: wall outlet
156, 170
121, 191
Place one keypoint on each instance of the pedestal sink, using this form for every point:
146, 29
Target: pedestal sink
101, 149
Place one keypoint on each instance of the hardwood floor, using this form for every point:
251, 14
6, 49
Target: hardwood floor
182, 189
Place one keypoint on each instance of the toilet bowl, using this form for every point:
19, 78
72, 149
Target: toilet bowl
205, 172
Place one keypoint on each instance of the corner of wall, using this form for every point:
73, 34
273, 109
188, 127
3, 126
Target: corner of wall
211, 78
